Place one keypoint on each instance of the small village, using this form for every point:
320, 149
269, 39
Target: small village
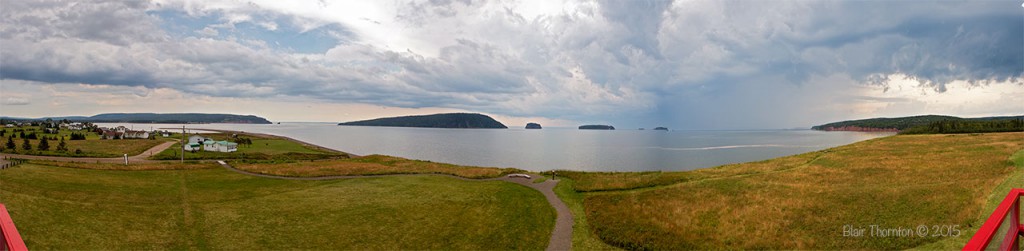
52, 130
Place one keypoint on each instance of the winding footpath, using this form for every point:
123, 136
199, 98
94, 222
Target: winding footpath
561, 237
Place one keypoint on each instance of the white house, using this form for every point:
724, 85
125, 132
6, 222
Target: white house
136, 134
220, 146
197, 139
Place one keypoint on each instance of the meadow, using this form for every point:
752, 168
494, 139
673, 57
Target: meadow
92, 146
262, 148
804, 201
371, 165
202, 206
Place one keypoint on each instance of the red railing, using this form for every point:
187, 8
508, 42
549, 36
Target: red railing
1003, 225
11, 239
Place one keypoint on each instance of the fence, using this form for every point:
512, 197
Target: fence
10, 162
9, 237
1003, 228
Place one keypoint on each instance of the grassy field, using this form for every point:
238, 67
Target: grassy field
262, 148
804, 201
211, 208
92, 146
372, 165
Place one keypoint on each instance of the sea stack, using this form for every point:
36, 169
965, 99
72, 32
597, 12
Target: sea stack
532, 125
597, 127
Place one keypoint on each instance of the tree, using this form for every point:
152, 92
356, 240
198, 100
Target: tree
10, 143
21, 134
43, 144
61, 147
25, 144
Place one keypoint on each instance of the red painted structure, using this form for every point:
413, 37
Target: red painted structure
11, 239
1003, 228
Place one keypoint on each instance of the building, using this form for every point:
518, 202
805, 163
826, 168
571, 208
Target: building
108, 134
135, 134
197, 139
193, 147
220, 146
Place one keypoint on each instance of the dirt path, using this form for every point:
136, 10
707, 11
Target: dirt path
137, 158
561, 236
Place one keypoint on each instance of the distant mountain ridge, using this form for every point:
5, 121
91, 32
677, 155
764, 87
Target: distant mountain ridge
443, 120
168, 118
900, 123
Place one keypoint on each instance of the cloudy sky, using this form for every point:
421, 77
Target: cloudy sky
682, 64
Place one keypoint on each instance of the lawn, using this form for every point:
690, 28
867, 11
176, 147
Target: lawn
372, 165
211, 208
92, 146
804, 201
262, 148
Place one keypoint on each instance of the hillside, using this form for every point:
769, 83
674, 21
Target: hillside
169, 118
443, 120
898, 124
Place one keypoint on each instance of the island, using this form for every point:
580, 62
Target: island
661, 128
162, 118
597, 127
443, 120
532, 125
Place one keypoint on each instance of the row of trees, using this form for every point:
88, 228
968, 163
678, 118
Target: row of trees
44, 145
968, 126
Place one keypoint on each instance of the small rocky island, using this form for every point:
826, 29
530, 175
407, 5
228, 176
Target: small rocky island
597, 127
443, 120
532, 125
661, 128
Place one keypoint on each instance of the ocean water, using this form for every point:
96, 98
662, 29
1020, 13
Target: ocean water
554, 148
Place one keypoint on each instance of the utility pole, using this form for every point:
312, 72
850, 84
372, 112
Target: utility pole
182, 143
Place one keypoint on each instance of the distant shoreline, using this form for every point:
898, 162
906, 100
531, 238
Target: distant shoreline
318, 147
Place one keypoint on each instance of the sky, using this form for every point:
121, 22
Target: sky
681, 64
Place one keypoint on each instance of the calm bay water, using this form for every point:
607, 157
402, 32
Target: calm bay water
555, 148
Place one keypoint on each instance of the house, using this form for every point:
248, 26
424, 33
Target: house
197, 139
220, 146
129, 134
165, 134
121, 129
108, 134
193, 146
51, 130
76, 126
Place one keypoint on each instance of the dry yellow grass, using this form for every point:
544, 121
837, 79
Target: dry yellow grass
613, 181
371, 165
136, 166
892, 182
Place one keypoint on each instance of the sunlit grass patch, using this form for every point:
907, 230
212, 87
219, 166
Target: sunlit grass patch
214, 209
371, 165
804, 201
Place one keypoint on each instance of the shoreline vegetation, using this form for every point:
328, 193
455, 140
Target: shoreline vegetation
799, 201
929, 124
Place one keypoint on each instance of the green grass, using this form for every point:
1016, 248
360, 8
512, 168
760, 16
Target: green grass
92, 146
1015, 180
211, 208
582, 237
803, 201
261, 149
371, 165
